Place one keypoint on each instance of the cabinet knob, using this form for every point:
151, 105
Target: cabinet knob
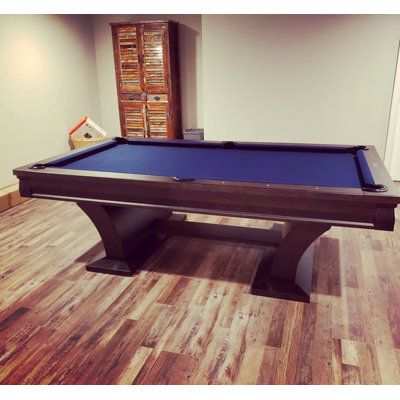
131, 97
157, 98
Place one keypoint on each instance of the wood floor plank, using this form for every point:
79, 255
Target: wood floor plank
134, 366
171, 369
267, 371
164, 339
212, 359
350, 375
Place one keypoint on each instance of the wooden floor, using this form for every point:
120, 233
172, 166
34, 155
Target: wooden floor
186, 317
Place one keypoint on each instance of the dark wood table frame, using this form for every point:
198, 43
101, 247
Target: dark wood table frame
134, 213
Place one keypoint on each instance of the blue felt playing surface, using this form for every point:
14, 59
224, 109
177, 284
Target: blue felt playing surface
286, 167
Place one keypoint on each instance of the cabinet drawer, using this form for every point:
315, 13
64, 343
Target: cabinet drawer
157, 98
133, 97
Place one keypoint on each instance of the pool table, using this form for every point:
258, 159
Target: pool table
135, 191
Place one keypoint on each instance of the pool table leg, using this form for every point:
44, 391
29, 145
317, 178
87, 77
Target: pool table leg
122, 230
286, 271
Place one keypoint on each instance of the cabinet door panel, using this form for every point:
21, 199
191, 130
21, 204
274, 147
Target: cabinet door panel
133, 119
154, 53
157, 120
128, 47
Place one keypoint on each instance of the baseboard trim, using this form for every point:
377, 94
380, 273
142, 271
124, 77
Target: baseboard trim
10, 197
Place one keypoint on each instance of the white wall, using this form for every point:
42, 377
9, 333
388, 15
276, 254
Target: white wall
47, 83
317, 79
190, 67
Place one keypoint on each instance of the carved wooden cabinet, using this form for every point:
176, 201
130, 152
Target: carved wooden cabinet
147, 74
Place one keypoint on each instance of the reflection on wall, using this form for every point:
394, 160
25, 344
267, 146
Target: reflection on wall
47, 83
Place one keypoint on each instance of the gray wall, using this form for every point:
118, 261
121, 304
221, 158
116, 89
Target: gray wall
47, 83
317, 79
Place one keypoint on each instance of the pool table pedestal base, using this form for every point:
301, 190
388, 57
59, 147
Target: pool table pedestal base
131, 234
126, 241
286, 271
